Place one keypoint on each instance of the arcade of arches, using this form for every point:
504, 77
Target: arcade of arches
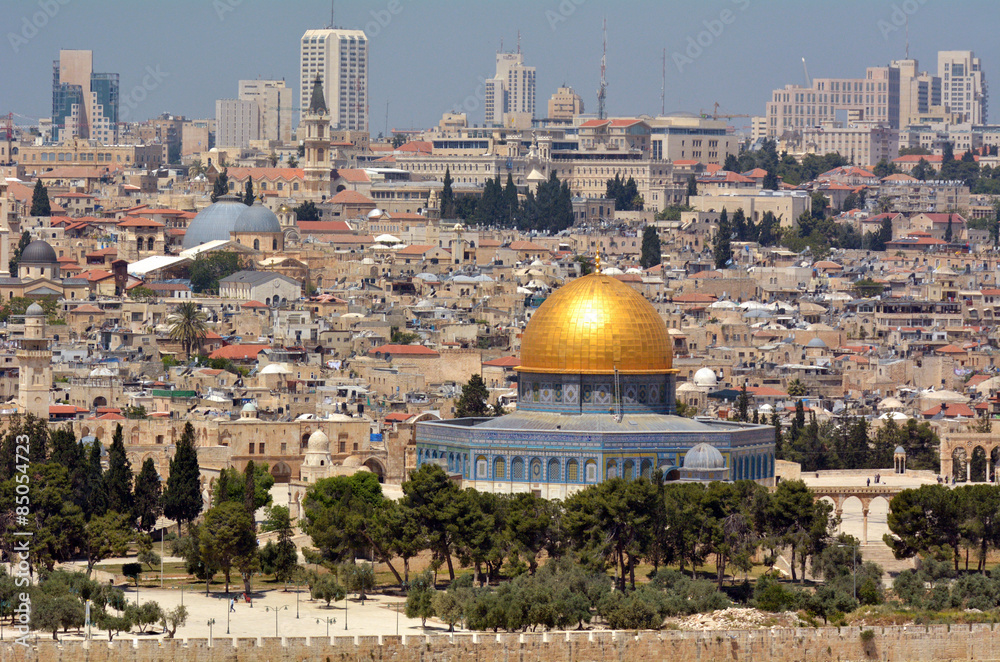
970, 457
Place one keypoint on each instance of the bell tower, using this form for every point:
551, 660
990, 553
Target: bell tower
34, 360
317, 145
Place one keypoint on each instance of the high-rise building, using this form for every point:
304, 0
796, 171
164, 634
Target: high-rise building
84, 103
874, 98
963, 86
919, 91
510, 94
339, 58
565, 104
274, 101
237, 122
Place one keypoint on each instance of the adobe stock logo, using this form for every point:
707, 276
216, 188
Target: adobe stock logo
48, 9
704, 40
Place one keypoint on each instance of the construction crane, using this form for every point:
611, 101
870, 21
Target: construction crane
717, 115
602, 91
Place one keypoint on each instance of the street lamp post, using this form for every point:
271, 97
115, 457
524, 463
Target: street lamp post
327, 620
345, 610
211, 622
229, 610
275, 610
854, 549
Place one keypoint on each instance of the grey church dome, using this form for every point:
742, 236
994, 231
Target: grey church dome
704, 456
214, 222
38, 252
257, 218
34, 310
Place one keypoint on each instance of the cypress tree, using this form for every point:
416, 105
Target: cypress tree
182, 498
447, 196
221, 186
249, 488
147, 503
510, 200
651, 249
96, 495
692, 186
118, 479
722, 248
248, 192
40, 201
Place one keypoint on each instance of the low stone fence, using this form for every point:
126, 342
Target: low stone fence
889, 644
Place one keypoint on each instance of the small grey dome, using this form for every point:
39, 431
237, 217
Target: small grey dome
816, 342
705, 377
34, 310
704, 456
39, 252
899, 449
257, 218
214, 222
249, 407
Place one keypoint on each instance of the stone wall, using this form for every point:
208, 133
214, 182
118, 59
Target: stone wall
890, 644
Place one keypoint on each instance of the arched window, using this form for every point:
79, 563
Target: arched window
517, 469
138, 244
536, 470
591, 471
628, 470
274, 244
481, 467
573, 471
610, 471
150, 243
256, 244
499, 469
553, 472
646, 469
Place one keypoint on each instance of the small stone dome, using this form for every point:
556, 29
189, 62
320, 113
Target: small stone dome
704, 456
899, 451
319, 442
257, 218
816, 342
705, 377
38, 252
249, 408
34, 310
275, 369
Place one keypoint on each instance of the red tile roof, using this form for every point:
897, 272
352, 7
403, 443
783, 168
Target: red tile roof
238, 352
504, 362
138, 222
351, 198
398, 417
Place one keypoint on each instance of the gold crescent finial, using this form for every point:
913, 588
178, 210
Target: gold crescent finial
598, 258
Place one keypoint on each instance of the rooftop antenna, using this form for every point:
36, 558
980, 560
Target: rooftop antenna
906, 26
519, 42
663, 86
332, 24
806, 72
603, 89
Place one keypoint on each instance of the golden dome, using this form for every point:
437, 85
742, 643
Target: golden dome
593, 326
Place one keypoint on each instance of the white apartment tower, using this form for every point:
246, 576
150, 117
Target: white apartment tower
339, 58
510, 95
963, 86
274, 103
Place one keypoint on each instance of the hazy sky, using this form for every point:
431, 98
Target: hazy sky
428, 57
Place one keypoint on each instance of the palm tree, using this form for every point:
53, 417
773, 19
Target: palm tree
196, 168
188, 324
293, 162
796, 389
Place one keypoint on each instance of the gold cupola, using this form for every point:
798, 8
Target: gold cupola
595, 326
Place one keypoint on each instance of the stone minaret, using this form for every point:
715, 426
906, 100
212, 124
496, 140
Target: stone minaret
34, 359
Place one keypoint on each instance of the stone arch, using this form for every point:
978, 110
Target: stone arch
85, 431
100, 401
134, 436
281, 472
100, 433
305, 439
535, 470
376, 468
499, 468
590, 471
959, 464
572, 471
977, 465
994, 458
646, 469
552, 473
481, 467
628, 470
610, 469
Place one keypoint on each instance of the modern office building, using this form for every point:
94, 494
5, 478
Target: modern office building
963, 86
565, 104
874, 98
339, 58
274, 103
84, 103
510, 94
919, 92
237, 122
